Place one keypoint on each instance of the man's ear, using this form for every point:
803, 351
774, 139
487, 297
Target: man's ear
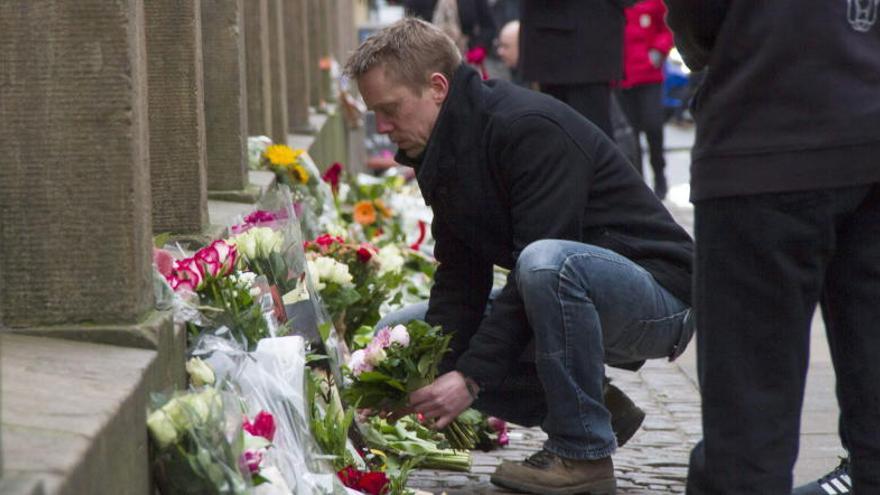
439, 88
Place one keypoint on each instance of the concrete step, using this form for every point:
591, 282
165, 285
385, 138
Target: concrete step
73, 416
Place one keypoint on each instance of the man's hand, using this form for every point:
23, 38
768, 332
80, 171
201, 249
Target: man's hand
442, 400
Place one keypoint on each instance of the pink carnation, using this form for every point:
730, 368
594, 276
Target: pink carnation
263, 425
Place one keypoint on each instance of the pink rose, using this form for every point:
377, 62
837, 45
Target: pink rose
164, 261
358, 362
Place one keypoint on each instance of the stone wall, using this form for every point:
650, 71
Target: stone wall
115, 120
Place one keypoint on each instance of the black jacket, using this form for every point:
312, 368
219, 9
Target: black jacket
504, 167
571, 41
791, 97
475, 16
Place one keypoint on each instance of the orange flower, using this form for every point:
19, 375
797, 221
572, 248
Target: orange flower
364, 213
383, 210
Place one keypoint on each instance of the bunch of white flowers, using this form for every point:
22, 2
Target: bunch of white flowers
258, 242
389, 259
325, 269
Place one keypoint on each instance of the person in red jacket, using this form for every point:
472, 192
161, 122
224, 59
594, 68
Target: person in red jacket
646, 43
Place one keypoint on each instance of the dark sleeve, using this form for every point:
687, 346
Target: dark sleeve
461, 289
547, 179
485, 26
695, 25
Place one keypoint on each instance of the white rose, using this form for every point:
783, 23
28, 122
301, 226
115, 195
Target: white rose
389, 259
267, 241
314, 270
246, 245
399, 335
161, 428
199, 372
340, 274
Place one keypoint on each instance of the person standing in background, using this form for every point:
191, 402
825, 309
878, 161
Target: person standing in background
574, 50
475, 23
646, 44
785, 181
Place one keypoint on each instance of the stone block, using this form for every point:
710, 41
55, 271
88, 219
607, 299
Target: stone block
177, 119
74, 415
297, 64
225, 94
278, 72
74, 181
318, 38
258, 76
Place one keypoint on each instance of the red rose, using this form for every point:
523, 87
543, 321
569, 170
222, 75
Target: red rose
365, 252
374, 483
331, 176
263, 426
349, 476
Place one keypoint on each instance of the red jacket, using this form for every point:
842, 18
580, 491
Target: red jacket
645, 30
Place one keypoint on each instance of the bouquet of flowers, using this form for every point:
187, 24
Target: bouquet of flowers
224, 298
199, 445
399, 361
354, 280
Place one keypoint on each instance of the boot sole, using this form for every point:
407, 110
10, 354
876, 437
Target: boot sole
604, 487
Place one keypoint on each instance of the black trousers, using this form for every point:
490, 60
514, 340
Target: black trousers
763, 262
643, 106
593, 101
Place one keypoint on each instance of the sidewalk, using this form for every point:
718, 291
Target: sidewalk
655, 460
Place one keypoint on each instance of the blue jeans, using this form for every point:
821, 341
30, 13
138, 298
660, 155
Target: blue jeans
586, 306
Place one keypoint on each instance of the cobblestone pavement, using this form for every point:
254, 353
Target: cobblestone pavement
653, 462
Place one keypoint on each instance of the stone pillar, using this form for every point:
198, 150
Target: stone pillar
298, 68
225, 94
278, 67
317, 46
258, 80
75, 241
177, 118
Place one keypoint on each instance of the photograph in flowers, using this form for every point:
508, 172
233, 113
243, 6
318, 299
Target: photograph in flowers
289, 376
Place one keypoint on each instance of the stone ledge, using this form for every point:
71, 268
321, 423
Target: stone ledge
156, 333
74, 415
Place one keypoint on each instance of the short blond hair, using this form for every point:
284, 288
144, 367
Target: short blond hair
410, 51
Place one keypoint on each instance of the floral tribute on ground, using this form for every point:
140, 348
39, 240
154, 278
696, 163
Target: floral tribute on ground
286, 372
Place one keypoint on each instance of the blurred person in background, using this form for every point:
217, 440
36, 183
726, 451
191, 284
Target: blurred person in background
468, 22
508, 51
646, 44
574, 50
785, 181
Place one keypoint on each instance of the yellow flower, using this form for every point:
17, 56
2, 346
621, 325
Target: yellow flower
299, 173
364, 213
383, 210
281, 155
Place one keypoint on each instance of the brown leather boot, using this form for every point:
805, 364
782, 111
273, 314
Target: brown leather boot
626, 416
547, 473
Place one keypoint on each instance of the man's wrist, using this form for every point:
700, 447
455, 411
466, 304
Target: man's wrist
472, 387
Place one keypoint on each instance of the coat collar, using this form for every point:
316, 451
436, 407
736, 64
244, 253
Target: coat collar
455, 134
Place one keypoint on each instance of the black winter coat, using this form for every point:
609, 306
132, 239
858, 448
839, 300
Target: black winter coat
506, 166
475, 16
572, 41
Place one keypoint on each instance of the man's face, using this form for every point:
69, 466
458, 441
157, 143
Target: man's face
406, 117
508, 45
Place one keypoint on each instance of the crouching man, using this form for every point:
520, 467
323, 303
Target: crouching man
600, 272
